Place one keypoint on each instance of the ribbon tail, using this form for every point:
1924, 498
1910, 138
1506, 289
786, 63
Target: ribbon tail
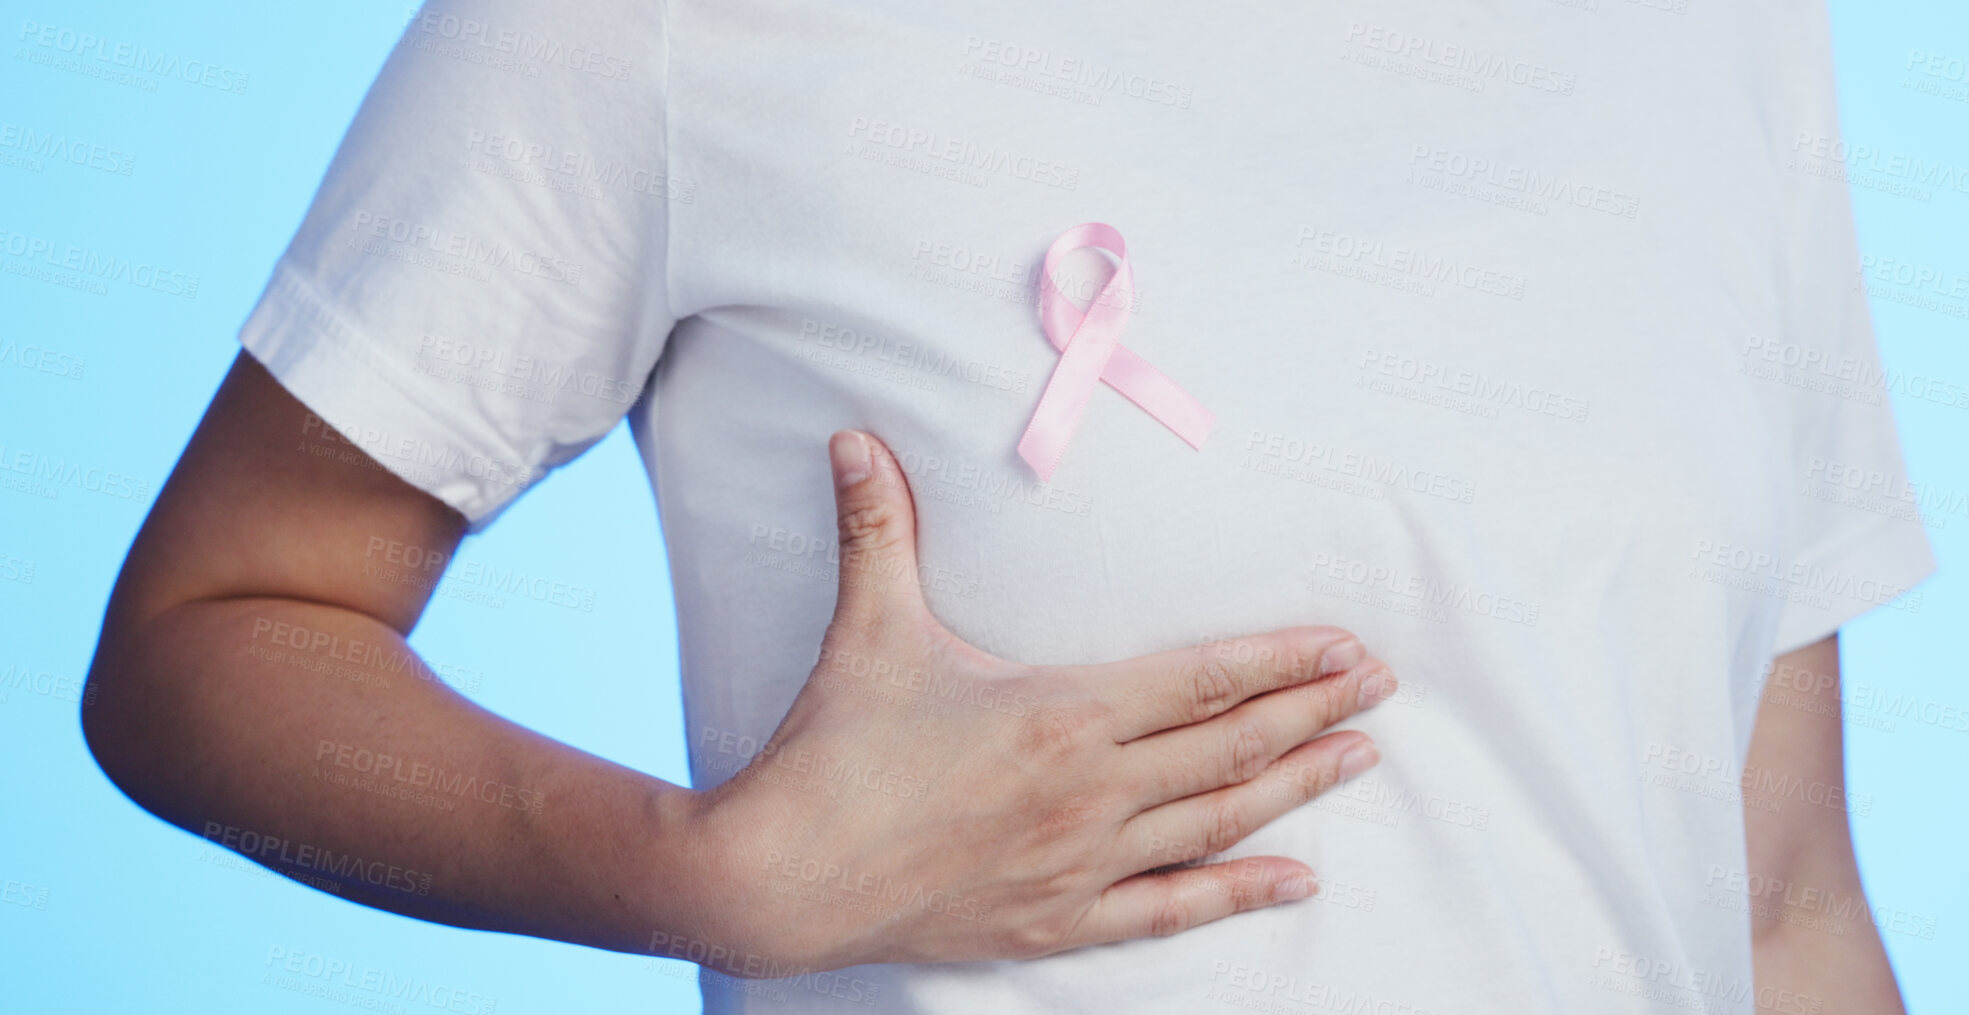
1065, 399
1159, 396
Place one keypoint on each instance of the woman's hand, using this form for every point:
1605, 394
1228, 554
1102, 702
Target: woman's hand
924, 801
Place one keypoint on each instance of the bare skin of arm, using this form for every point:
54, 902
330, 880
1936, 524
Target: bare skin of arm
253, 685
1801, 860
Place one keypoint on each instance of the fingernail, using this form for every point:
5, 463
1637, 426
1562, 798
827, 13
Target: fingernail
1377, 688
848, 451
1342, 657
1359, 758
1295, 887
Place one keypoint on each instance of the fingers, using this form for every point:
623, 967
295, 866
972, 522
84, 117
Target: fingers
1183, 686
1212, 822
1161, 904
877, 522
1240, 744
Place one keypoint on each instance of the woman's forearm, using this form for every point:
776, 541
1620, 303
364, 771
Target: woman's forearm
313, 740
1823, 966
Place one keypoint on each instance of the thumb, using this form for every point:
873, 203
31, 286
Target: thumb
878, 532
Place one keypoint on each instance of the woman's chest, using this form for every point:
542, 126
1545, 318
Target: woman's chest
1461, 346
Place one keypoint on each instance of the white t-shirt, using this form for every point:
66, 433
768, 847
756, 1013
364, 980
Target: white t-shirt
1535, 341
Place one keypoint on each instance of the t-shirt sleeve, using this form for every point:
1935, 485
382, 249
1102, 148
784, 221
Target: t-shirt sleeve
479, 290
1855, 539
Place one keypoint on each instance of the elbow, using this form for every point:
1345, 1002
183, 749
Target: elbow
125, 734
109, 737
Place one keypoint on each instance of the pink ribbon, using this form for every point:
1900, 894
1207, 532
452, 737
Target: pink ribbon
1091, 351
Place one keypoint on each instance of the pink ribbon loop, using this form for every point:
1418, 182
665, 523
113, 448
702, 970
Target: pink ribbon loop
1091, 351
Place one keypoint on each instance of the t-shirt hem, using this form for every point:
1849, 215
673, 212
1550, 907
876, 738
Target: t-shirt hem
1891, 552
317, 355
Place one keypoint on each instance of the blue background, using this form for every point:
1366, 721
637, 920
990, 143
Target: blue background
103, 908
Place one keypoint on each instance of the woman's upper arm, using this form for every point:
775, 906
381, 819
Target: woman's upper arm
269, 501
1798, 741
